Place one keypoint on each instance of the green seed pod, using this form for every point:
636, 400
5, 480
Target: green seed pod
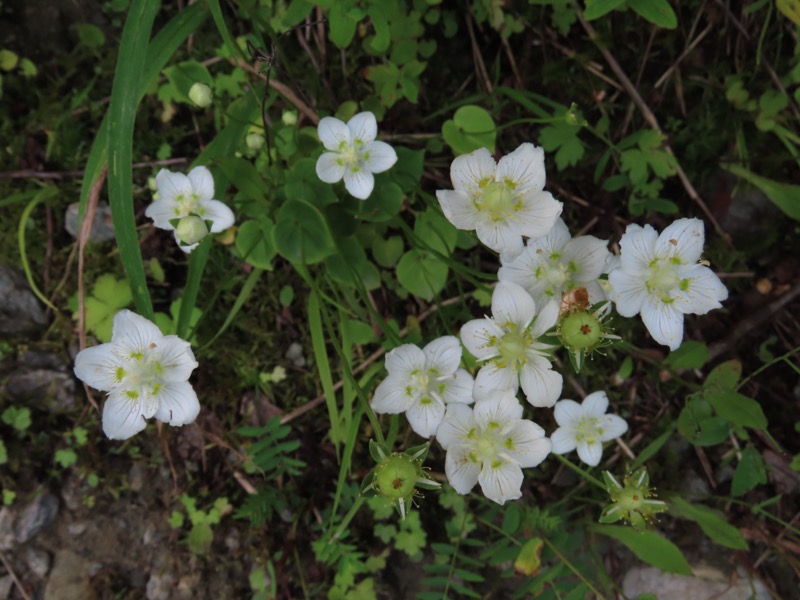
580, 330
191, 230
396, 476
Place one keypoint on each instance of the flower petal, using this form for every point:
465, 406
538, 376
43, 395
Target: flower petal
637, 247
501, 481
171, 186
359, 183
478, 335
611, 427
547, 318
628, 291
133, 333
443, 354
219, 214
590, 453
563, 440
333, 133
492, 378
500, 408
664, 322
391, 396
162, 211
363, 127
524, 168
595, 404
458, 209
330, 169
124, 417
684, 238
704, 291
97, 367
405, 360
459, 388
512, 304
589, 256
378, 157
425, 416
500, 236
527, 444
462, 473
176, 358
469, 170
538, 214
202, 183
567, 413
542, 385
177, 404
458, 421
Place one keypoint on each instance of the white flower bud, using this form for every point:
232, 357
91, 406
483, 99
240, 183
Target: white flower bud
201, 95
191, 230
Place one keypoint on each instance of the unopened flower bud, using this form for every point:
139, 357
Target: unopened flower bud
289, 118
201, 95
254, 141
191, 230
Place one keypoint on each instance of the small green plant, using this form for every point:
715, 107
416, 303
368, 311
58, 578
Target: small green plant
201, 533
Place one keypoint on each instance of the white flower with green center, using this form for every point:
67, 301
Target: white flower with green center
145, 374
509, 344
501, 201
586, 426
186, 206
557, 263
422, 381
490, 445
353, 154
660, 278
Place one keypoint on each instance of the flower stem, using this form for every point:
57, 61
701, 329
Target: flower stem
581, 472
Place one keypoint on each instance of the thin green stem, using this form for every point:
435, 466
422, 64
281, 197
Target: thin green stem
774, 361
572, 567
581, 472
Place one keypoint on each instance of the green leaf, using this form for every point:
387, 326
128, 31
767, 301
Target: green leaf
387, 251
18, 417
471, 127
750, 472
648, 546
421, 274
697, 424
785, 196
597, 8
184, 75
3, 453
301, 233
712, 524
690, 355
8, 60
658, 12
254, 243
66, 457
244, 175
737, 408
724, 376
653, 447
342, 26
436, 231
91, 35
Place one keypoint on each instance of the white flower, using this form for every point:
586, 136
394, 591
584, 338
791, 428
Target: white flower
353, 153
421, 382
586, 426
491, 445
557, 263
186, 206
145, 374
500, 201
509, 343
659, 277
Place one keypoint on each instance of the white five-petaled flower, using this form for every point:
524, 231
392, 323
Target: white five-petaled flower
421, 382
509, 343
557, 263
186, 205
501, 201
659, 276
586, 426
490, 445
353, 153
145, 374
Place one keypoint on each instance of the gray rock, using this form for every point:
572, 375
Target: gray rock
52, 391
34, 517
102, 226
38, 561
69, 579
5, 586
160, 586
20, 312
7, 537
41, 359
707, 582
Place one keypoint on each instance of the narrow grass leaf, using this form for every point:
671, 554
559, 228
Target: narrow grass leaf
649, 546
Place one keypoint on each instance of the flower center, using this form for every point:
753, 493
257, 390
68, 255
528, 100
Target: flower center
141, 373
587, 431
512, 347
664, 279
497, 200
